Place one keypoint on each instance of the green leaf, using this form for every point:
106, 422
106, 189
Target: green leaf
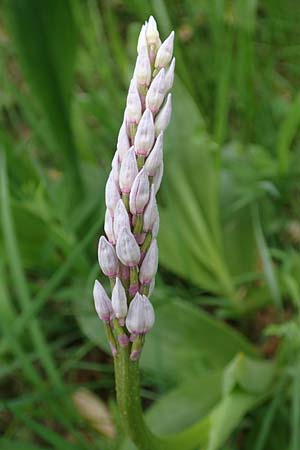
45, 36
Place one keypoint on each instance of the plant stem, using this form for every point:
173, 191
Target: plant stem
128, 397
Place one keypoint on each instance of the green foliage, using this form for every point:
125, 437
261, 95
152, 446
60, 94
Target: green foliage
228, 289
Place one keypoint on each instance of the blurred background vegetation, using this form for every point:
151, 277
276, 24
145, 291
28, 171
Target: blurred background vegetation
226, 341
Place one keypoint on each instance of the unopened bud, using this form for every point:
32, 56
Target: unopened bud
133, 105
158, 177
142, 71
163, 117
152, 34
108, 227
156, 93
127, 248
151, 286
107, 258
169, 78
155, 157
144, 137
123, 144
102, 302
151, 211
128, 171
165, 52
139, 194
150, 263
121, 218
155, 228
112, 194
142, 38
119, 300
140, 317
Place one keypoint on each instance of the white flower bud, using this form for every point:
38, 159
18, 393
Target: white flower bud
127, 248
119, 300
107, 258
150, 263
152, 34
123, 144
142, 71
169, 77
142, 38
112, 194
115, 167
155, 157
151, 211
128, 171
108, 227
156, 93
144, 137
140, 318
139, 194
163, 117
133, 105
165, 52
102, 302
121, 218
155, 228
158, 177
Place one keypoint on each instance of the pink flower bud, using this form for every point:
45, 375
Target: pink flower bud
119, 300
121, 218
140, 318
152, 34
169, 78
108, 227
133, 105
155, 228
142, 71
156, 93
128, 171
158, 177
149, 265
115, 167
142, 38
123, 144
107, 258
102, 302
155, 157
151, 211
163, 117
144, 137
165, 52
139, 194
127, 248
112, 194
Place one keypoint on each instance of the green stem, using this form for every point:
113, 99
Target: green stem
128, 397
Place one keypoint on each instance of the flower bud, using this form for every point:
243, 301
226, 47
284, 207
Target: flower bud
165, 52
119, 300
150, 263
169, 77
142, 71
127, 248
158, 177
123, 144
151, 211
121, 218
128, 171
155, 157
152, 34
108, 227
133, 105
156, 93
155, 228
115, 167
107, 258
151, 286
139, 194
142, 38
144, 137
112, 194
163, 117
140, 317
102, 302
